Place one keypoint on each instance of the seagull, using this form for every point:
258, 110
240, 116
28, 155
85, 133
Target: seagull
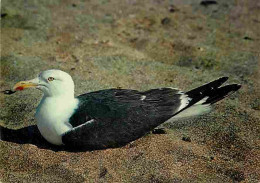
113, 117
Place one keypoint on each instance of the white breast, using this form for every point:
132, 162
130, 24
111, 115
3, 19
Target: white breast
52, 117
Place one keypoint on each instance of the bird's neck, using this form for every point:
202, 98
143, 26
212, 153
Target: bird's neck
60, 103
53, 114
64, 96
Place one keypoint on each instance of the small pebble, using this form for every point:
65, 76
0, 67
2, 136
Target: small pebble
186, 139
3, 15
207, 3
159, 131
248, 38
172, 9
165, 21
103, 172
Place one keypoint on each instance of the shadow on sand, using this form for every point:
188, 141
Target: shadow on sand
31, 135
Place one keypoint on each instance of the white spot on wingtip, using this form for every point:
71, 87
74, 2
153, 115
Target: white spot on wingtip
143, 97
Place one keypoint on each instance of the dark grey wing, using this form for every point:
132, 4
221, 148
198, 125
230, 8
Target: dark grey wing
115, 117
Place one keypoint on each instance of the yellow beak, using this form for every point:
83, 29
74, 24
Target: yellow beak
25, 84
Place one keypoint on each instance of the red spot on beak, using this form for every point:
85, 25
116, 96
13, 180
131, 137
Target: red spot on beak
19, 88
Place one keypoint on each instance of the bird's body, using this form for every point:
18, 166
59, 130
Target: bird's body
113, 117
117, 116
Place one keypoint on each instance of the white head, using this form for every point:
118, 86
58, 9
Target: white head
52, 83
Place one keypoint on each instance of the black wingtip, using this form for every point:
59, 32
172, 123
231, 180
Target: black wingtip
223, 79
237, 87
234, 87
222, 92
196, 93
213, 90
218, 82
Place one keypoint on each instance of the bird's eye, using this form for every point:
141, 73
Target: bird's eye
50, 78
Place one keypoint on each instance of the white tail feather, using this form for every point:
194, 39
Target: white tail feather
184, 100
195, 110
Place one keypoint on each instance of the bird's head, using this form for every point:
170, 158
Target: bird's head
50, 82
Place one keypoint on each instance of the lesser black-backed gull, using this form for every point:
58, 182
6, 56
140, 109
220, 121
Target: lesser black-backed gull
113, 117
